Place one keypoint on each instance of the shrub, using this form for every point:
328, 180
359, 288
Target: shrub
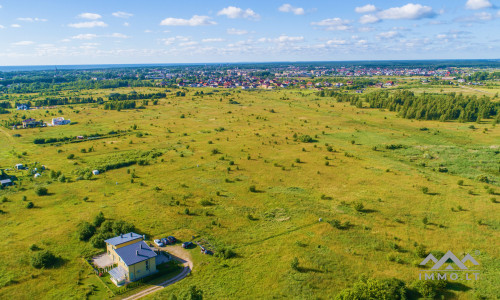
226, 253
34, 247
252, 189
97, 241
305, 139
429, 289
359, 206
71, 156
186, 211
41, 191
30, 205
99, 219
295, 264
120, 227
425, 190
393, 288
421, 251
43, 259
205, 202
460, 182
85, 231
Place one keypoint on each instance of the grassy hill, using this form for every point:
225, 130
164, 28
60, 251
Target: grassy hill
237, 169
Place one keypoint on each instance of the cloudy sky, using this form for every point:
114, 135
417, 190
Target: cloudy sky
57, 32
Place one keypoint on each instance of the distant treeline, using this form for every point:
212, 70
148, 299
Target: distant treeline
119, 105
339, 96
33, 86
135, 96
65, 101
442, 107
74, 138
481, 76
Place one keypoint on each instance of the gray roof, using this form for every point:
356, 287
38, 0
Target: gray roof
135, 253
123, 238
5, 181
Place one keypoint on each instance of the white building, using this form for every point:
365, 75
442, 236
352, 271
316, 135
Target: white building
60, 121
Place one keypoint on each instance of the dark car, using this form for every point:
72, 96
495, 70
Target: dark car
187, 245
171, 239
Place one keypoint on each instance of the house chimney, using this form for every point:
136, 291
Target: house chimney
131, 234
137, 252
121, 235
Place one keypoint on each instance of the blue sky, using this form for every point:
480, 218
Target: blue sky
56, 32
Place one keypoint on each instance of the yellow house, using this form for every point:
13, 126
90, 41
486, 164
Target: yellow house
135, 259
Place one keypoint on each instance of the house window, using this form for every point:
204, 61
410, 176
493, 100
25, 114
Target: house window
147, 265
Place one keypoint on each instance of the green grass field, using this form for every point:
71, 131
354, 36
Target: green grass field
216, 152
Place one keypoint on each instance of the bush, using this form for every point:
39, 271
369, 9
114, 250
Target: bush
425, 190
43, 259
421, 251
205, 202
460, 182
393, 289
359, 206
71, 156
226, 253
429, 288
252, 189
99, 219
295, 264
97, 241
30, 205
85, 231
41, 191
120, 227
305, 139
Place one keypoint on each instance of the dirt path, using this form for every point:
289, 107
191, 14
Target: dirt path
179, 254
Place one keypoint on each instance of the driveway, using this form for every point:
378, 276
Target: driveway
179, 254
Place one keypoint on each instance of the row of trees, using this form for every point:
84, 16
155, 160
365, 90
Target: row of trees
442, 107
135, 96
119, 105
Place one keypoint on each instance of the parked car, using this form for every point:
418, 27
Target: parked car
171, 239
187, 244
165, 241
158, 243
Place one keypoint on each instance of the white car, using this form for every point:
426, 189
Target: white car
158, 243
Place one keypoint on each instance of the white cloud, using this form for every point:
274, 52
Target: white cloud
194, 21
90, 24
365, 9
212, 40
233, 12
478, 4
90, 36
171, 40
23, 43
334, 24
368, 19
483, 16
187, 44
2, 27
32, 20
89, 16
287, 39
336, 42
119, 35
409, 11
234, 31
122, 14
84, 36
126, 24
387, 35
289, 8
15, 26
441, 36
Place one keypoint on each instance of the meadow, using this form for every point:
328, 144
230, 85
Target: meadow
275, 176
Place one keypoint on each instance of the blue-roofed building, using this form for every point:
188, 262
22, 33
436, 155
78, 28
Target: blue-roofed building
135, 259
